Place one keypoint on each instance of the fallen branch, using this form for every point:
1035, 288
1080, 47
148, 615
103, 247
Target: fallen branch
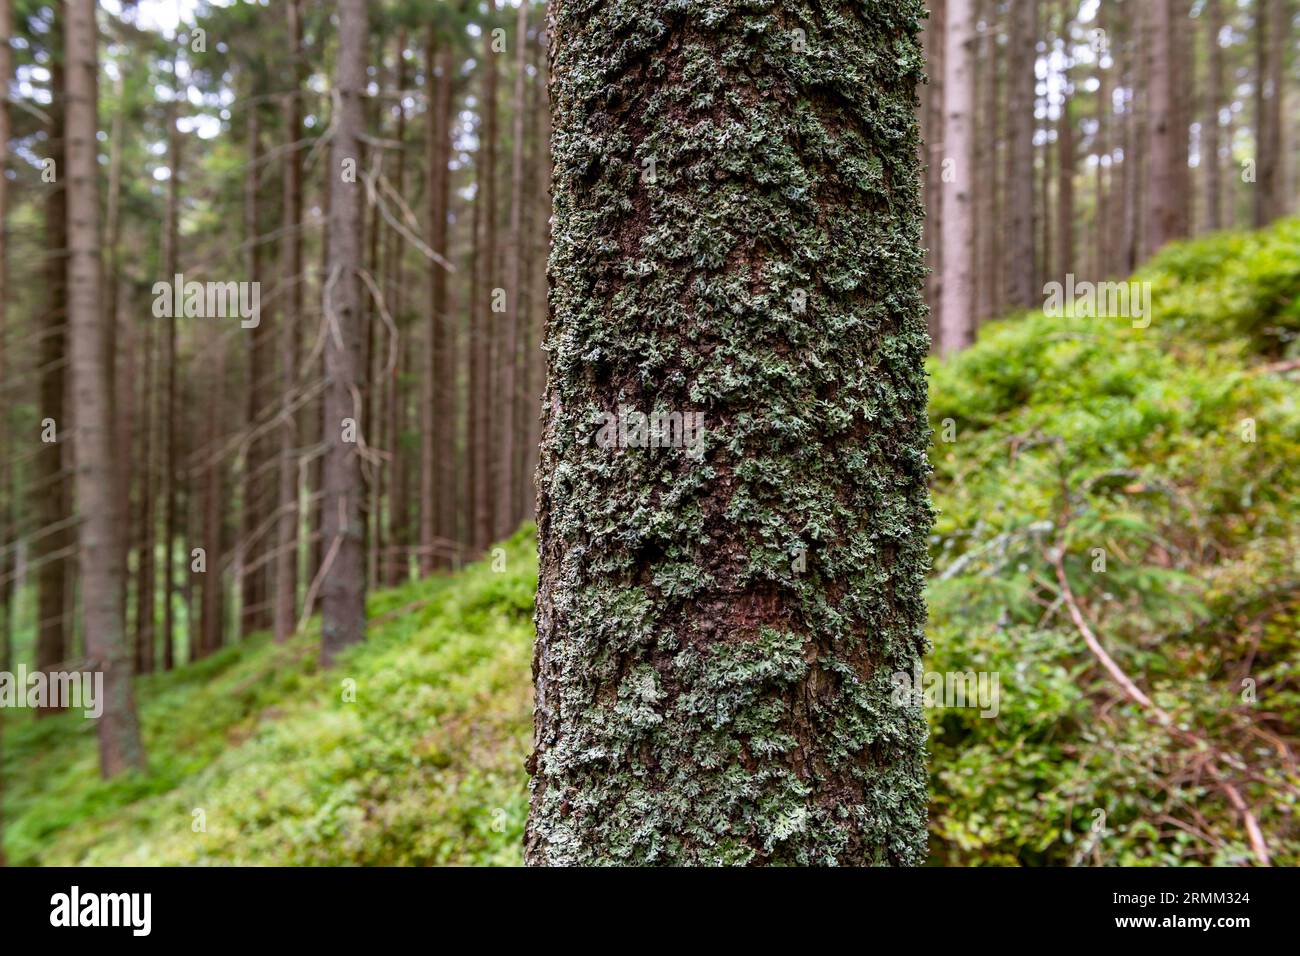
1156, 713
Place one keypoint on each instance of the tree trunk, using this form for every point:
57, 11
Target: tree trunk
1022, 291
956, 195
1272, 30
54, 540
343, 590
1160, 213
286, 534
170, 432
508, 360
489, 330
1065, 162
254, 614
100, 555
1213, 103
437, 475
719, 624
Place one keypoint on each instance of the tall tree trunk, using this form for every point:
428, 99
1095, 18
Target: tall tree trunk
1022, 291
210, 599
719, 624
170, 432
97, 504
54, 539
1102, 227
1065, 160
1160, 213
254, 614
1272, 30
957, 215
1213, 104
286, 524
343, 590
395, 558
508, 360
437, 478
489, 397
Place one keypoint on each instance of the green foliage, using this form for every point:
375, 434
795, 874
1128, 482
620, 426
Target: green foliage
425, 767
1083, 433
1091, 434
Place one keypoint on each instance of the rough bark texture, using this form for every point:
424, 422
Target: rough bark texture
699, 697
343, 590
97, 504
956, 191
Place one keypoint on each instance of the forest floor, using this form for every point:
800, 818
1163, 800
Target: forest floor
1154, 468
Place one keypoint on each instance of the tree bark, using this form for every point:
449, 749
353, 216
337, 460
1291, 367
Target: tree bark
485, 512
1022, 291
437, 477
1160, 212
1065, 161
718, 624
100, 555
1213, 103
170, 458
343, 590
54, 540
286, 534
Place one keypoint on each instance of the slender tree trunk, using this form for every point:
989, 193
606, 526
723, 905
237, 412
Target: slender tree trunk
1022, 291
286, 536
719, 625
1065, 162
508, 360
343, 590
1160, 215
100, 554
437, 476
210, 600
1213, 104
395, 558
1272, 30
1102, 227
170, 458
55, 539
956, 197
254, 614
489, 397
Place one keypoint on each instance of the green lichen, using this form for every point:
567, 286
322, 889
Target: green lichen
701, 699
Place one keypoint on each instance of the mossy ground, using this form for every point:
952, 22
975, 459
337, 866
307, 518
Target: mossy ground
1083, 433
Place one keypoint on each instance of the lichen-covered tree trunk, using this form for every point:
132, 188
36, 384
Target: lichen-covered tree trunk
736, 237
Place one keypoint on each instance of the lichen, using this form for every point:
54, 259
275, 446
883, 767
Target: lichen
701, 696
